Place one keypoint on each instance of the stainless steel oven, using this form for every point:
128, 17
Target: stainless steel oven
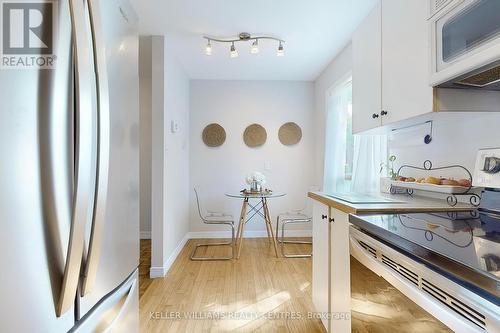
448, 263
465, 43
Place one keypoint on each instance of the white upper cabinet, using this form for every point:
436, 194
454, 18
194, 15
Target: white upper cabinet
406, 91
367, 73
391, 65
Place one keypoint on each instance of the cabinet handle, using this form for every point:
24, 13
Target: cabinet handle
331, 220
384, 113
375, 115
323, 217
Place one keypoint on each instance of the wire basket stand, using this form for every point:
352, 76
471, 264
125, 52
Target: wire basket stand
452, 199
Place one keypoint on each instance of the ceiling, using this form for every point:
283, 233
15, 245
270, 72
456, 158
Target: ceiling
315, 31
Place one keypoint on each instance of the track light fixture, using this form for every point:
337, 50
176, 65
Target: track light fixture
243, 37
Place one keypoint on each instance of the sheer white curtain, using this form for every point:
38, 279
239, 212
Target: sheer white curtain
365, 152
337, 103
369, 152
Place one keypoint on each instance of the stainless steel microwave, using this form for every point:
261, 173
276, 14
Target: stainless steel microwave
465, 44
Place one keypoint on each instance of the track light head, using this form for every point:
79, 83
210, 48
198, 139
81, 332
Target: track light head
234, 52
255, 47
281, 51
208, 48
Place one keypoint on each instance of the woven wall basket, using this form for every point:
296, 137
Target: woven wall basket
255, 136
290, 134
214, 135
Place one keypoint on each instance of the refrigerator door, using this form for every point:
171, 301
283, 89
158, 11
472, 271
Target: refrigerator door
46, 142
119, 239
116, 312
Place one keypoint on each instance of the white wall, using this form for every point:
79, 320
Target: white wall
335, 71
145, 106
176, 181
455, 141
235, 105
164, 96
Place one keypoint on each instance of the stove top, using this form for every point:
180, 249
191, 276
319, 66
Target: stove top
472, 239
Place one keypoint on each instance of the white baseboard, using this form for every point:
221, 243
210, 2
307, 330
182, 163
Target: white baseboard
145, 234
159, 272
156, 272
247, 234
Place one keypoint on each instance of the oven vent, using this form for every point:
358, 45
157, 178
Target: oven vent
368, 248
402, 270
459, 307
482, 79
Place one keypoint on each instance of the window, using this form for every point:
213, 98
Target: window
339, 145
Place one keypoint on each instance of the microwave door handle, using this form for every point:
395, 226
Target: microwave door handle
84, 161
103, 139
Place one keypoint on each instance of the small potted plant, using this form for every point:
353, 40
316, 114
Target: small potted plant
389, 166
385, 184
256, 180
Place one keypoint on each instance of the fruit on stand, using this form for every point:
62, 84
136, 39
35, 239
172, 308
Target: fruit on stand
449, 182
432, 180
464, 182
435, 181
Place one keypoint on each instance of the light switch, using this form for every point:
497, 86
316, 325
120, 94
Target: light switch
174, 126
267, 165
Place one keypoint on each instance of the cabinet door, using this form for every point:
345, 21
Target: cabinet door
320, 259
405, 60
367, 73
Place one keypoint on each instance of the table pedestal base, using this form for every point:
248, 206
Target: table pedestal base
261, 209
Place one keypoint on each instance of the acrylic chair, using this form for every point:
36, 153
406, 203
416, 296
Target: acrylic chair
213, 218
296, 216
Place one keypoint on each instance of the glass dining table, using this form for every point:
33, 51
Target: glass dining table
255, 204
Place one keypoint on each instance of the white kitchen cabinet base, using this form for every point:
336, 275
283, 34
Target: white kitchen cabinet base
320, 261
340, 275
331, 285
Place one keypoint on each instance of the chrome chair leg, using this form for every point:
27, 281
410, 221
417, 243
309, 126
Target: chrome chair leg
282, 241
231, 243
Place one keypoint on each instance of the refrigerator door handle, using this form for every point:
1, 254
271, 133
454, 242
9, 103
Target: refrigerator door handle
84, 159
109, 309
103, 138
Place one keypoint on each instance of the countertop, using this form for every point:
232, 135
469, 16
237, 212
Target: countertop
413, 204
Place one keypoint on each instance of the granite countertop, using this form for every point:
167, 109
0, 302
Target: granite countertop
408, 204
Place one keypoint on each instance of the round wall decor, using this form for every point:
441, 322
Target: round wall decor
290, 134
214, 135
255, 135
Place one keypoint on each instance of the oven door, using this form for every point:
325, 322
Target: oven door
454, 305
465, 35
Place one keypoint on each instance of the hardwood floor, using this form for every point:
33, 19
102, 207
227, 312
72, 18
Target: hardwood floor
144, 265
259, 283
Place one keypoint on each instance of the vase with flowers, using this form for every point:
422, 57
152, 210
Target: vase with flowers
256, 180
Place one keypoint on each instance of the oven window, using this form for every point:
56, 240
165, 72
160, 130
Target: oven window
471, 28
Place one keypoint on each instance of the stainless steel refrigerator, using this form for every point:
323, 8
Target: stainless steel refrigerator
69, 175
